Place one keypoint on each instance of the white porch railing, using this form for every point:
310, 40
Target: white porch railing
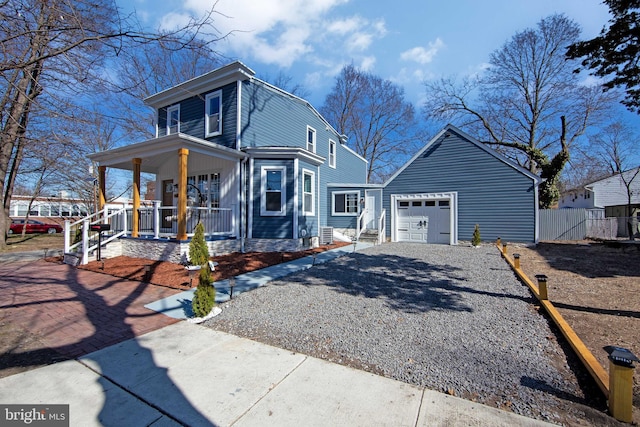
382, 226
85, 240
155, 221
361, 226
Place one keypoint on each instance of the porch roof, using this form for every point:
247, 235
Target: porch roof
157, 151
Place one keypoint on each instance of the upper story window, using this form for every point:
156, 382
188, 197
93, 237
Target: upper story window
332, 153
173, 119
308, 192
273, 194
311, 139
213, 114
345, 203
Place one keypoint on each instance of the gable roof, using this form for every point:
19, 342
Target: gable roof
451, 128
215, 78
628, 174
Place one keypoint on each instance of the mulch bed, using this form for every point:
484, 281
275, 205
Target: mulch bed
175, 276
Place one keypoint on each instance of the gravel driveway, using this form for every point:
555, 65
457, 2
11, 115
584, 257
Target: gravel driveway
449, 318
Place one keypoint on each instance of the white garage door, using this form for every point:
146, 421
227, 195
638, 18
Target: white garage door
426, 221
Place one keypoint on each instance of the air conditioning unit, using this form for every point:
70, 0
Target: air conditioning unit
326, 235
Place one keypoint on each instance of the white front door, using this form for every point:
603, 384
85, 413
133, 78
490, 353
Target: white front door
370, 212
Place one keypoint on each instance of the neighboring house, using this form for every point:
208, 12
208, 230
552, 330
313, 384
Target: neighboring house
608, 193
250, 161
47, 207
264, 171
455, 182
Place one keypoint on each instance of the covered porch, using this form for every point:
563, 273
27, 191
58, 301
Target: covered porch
196, 181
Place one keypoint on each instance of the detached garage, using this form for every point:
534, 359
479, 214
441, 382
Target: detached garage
455, 182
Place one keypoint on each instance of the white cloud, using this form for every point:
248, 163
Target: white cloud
367, 63
423, 55
271, 31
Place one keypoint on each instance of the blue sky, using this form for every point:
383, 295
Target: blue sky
406, 41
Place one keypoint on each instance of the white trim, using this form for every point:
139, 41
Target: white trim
170, 109
283, 190
287, 153
333, 203
239, 115
318, 217
313, 192
296, 170
251, 199
536, 216
453, 211
216, 78
218, 94
313, 137
332, 143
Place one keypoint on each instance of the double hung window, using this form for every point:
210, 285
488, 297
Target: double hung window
213, 114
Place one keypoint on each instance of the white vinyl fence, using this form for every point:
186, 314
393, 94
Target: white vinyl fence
578, 224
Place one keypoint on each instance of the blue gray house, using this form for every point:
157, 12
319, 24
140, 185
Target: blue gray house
262, 170
250, 161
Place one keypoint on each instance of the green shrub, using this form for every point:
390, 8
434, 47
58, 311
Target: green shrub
204, 298
475, 240
198, 249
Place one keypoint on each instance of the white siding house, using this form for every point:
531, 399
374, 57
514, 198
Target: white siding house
609, 191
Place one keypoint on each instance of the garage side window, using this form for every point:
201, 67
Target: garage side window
273, 191
345, 203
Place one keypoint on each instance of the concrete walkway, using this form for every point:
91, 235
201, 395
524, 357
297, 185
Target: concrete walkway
178, 306
185, 374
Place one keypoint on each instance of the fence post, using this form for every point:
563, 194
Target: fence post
504, 248
542, 287
516, 261
621, 382
498, 242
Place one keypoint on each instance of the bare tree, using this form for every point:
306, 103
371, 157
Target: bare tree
286, 83
373, 113
528, 104
615, 148
52, 49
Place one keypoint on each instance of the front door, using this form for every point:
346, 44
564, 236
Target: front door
370, 213
167, 200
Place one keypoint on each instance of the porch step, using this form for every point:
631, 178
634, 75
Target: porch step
369, 236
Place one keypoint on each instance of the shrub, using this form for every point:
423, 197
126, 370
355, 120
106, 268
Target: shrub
204, 298
475, 240
198, 250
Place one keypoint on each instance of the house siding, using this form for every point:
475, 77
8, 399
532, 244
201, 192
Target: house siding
501, 199
192, 116
272, 227
613, 192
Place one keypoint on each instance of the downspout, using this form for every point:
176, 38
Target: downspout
243, 169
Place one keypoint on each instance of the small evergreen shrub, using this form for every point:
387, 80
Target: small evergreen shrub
198, 249
475, 239
204, 298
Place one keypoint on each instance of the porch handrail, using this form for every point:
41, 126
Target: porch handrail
360, 225
104, 217
382, 224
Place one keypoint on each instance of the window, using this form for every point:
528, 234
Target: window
443, 203
345, 203
213, 114
430, 203
204, 190
273, 191
308, 192
173, 119
332, 154
416, 203
311, 139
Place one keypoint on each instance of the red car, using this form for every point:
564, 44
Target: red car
33, 226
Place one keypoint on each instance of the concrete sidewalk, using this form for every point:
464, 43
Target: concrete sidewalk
190, 375
178, 306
